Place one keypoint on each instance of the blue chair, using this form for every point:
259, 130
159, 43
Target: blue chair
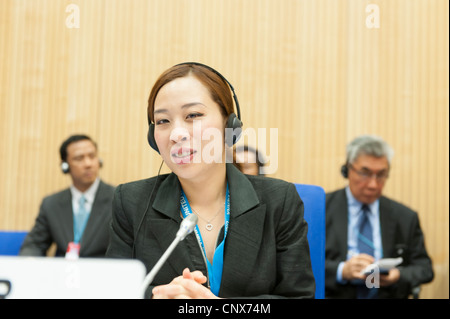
314, 203
11, 241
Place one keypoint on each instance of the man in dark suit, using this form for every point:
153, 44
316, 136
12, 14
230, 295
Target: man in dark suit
78, 216
363, 226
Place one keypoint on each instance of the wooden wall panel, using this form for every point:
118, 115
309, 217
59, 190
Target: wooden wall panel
311, 69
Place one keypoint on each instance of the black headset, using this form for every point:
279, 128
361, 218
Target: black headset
344, 170
65, 168
234, 122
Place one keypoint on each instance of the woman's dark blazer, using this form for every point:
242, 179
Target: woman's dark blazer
266, 249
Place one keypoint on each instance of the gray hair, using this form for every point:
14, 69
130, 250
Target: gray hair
368, 145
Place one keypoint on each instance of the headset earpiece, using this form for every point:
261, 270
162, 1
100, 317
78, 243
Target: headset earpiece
65, 167
151, 137
344, 170
235, 125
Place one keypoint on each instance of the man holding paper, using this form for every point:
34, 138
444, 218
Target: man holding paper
371, 241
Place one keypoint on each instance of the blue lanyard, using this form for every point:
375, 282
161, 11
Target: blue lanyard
214, 270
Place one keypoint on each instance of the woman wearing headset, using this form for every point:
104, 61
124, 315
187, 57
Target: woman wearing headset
250, 239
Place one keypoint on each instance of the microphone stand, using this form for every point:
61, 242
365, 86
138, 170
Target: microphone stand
187, 226
151, 275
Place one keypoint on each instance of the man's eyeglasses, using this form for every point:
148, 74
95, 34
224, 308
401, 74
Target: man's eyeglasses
367, 175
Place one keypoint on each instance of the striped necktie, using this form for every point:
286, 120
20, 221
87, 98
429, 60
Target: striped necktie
365, 245
365, 236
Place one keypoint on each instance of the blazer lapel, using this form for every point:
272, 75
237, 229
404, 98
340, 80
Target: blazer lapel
99, 212
164, 228
388, 228
241, 250
65, 212
245, 232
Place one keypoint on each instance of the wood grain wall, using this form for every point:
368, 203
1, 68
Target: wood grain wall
312, 69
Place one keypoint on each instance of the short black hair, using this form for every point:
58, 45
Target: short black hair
71, 139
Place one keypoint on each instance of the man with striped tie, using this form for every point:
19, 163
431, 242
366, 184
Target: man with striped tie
363, 226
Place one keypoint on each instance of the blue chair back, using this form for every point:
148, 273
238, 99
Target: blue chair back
11, 241
313, 198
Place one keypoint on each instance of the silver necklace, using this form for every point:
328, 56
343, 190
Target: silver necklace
208, 226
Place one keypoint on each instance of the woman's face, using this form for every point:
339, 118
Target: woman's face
189, 128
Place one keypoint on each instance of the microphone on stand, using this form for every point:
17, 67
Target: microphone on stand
186, 227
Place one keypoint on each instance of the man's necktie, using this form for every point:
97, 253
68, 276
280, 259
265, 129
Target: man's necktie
80, 220
365, 237
365, 245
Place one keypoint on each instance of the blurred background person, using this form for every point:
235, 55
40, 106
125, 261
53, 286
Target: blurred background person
77, 218
363, 226
248, 160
